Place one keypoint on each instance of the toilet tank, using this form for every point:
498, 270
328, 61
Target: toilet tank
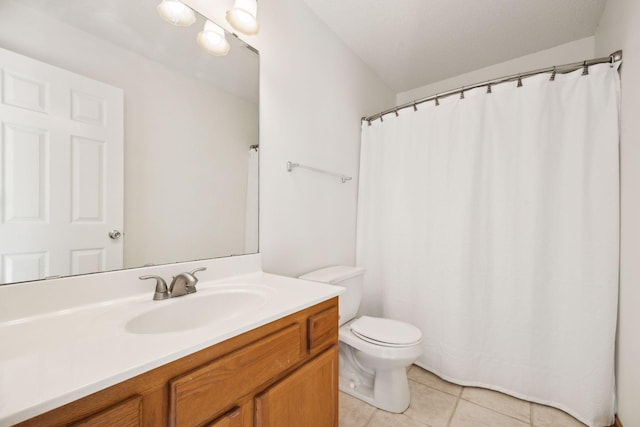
346, 276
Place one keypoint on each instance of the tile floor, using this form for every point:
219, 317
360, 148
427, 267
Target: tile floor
437, 403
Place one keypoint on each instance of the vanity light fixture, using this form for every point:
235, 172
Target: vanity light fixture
212, 39
176, 13
243, 16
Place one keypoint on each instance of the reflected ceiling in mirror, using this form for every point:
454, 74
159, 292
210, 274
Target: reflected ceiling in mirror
124, 144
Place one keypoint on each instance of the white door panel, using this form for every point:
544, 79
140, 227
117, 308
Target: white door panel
61, 171
24, 91
88, 180
88, 108
87, 260
25, 266
26, 192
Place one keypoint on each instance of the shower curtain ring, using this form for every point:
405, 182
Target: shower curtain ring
415, 108
396, 111
489, 88
553, 74
462, 93
519, 81
585, 69
437, 101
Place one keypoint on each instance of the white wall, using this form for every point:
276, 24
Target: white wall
619, 28
186, 142
313, 92
575, 51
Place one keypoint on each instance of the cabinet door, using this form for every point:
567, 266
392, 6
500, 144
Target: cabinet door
231, 419
124, 414
306, 398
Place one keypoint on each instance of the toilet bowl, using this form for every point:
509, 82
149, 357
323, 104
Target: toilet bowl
374, 352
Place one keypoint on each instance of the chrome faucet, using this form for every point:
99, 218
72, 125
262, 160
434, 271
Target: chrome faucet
182, 284
161, 287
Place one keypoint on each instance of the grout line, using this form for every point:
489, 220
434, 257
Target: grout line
433, 388
531, 414
371, 416
497, 411
455, 408
437, 389
419, 421
457, 394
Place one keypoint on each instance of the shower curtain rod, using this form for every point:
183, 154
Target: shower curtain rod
558, 69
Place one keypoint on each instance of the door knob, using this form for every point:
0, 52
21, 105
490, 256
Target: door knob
115, 234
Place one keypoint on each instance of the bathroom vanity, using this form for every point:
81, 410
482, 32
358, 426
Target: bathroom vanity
103, 363
274, 375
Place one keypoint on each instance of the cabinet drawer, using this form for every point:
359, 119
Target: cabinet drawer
200, 395
125, 414
322, 330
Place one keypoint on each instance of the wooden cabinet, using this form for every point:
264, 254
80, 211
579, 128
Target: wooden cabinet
200, 394
125, 414
284, 373
306, 398
322, 330
232, 419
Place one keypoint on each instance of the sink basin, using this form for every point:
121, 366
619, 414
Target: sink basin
197, 310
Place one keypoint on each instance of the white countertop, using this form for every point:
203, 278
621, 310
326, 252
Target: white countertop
56, 357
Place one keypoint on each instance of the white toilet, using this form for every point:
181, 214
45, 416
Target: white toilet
374, 352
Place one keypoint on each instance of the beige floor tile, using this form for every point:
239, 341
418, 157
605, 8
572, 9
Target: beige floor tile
546, 416
354, 412
430, 406
387, 419
421, 376
500, 402
471, 415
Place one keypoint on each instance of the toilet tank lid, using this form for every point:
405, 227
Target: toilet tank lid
333, 275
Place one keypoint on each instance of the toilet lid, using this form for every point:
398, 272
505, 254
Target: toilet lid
387, 332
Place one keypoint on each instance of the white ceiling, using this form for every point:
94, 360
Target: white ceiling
412, 43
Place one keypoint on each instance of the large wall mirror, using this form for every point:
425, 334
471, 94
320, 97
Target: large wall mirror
122, 143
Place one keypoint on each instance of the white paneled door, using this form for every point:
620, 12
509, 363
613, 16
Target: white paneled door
61, 171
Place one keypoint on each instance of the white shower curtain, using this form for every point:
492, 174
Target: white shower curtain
251, 213
491, 223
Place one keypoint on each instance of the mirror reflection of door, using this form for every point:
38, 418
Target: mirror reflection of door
61, 140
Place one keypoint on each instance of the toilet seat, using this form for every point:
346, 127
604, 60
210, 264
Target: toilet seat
386, 332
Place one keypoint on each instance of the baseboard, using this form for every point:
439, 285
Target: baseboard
618, 422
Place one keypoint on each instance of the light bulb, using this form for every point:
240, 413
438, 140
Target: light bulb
243, 16
176, 13
212, 39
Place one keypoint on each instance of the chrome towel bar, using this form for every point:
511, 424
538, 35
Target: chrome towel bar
291, 166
